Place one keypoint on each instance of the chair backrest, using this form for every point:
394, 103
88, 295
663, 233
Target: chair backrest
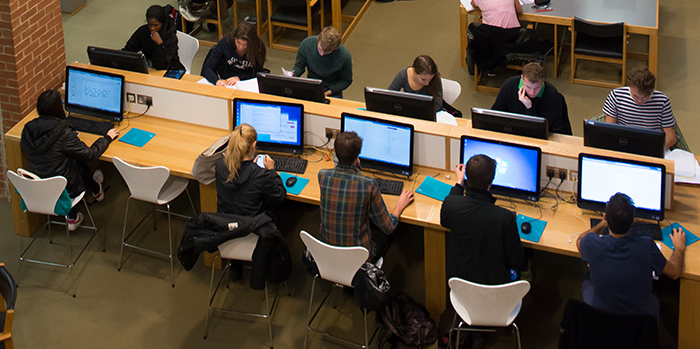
487, 305
335, 264
600, 30
145, 183
39, 195
187, 47
8, 288
450, 90
240, 249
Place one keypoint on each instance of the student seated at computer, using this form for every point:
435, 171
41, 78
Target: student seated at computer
239, 56
157, 40
639, 104
54, 149
621, 266
353, 212
530, 94
421, 77
327, 59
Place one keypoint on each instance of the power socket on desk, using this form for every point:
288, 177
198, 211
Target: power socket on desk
130, 97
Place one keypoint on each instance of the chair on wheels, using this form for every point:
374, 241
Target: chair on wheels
292, 17
41, 196
584, 326
598, 42
157, 186
483, 307
337, 265
8, 291
450, 90
187, 48
240, 249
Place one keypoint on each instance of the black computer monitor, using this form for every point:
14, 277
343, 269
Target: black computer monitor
94, 93
517, 166
280, 125
292, 87
600, 177
516, 124
629, 139
124, 60
386, 145
412, 105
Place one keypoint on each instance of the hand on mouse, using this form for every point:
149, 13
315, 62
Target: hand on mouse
113, 134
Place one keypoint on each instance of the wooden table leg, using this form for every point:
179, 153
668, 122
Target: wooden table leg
689, 311
435, 274
463, 40
556, 51
337, 18
653, 53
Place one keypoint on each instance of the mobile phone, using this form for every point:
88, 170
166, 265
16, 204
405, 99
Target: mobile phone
175, 73
260, 160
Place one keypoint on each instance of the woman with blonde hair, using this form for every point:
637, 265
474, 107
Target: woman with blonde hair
243, 187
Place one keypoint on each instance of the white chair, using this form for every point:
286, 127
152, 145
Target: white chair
487, 306
187, 47
240, 249
337, 265
450, 90
40, 196
157, 186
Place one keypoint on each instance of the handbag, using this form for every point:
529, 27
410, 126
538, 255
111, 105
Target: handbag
371, 287
203, 168
63, 205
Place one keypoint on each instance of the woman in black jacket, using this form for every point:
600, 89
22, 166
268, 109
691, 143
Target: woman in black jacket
157, 40
239, 56
54, 149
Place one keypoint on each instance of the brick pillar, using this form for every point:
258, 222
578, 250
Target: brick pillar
32, 60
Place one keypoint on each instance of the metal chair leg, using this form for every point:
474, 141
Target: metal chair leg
194, 210
211, 285
269, 315
92, 221
121, 250
170, 245
70, 260
364, 313
517, 334
308, 318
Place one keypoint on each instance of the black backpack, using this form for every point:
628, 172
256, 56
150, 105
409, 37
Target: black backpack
402, 318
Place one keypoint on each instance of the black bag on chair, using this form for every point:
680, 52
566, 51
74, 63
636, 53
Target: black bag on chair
371, 287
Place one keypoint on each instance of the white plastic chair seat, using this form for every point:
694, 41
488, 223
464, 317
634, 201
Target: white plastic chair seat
187, 48
39, 194
335, 264
172, 188
240, 248
487, 305
450, 90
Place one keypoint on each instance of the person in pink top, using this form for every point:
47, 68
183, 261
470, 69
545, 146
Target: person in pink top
499, 13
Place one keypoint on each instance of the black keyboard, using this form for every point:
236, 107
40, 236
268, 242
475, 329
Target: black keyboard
89, 126
388, 186
293, 165
652, 230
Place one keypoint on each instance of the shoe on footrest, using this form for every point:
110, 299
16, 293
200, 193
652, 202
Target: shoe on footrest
74, 223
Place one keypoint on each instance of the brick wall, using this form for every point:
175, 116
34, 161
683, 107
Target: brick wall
32, 60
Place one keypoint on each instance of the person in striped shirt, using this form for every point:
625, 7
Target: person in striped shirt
639, 104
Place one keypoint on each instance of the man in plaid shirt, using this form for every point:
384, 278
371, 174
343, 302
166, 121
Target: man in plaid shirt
353, 212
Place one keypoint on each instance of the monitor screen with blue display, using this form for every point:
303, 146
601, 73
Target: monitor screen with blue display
600, 177
94, 93
386, 145
280, 125
517, 166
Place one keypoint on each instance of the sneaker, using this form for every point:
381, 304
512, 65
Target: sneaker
74, 223
99, 177
379, 263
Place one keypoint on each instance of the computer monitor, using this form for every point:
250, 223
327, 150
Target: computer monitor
504, 122
124, 60
386, 145
280, 125
94, 93
412, 105
629, 139
600, 177
292, 87
517, 166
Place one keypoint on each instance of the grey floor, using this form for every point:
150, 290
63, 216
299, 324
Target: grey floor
138, 308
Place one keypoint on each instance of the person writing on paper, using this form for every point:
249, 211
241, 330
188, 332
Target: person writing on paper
353, 212
622, 267
422, 77
239, 56
157, 40
327, 59
54, 149
639, 104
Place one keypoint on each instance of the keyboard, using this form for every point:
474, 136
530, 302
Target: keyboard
388, 186
89, 126
652, 230
293, 165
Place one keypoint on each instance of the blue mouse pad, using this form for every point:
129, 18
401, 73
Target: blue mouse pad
666, 234
297, 187
137, 137
536, 230
434, 188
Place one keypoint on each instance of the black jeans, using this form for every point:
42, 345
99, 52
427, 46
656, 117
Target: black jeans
90, 186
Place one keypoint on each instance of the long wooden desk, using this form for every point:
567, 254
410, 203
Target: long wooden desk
641, 17
177, 144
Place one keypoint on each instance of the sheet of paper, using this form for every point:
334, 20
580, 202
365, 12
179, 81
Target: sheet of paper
685, 163
467, 4
250, 85
444, 117
204, 81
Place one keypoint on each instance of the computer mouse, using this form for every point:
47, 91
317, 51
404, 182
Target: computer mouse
526, 227
291, 181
